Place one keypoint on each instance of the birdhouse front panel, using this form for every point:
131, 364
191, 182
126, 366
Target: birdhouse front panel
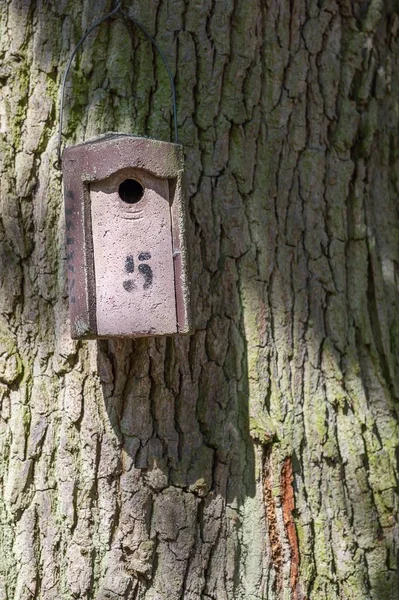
126, 244
133, 255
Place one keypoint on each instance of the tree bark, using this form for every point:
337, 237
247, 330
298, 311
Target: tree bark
256, 458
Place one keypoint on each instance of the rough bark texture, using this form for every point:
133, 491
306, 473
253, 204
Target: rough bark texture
256, 458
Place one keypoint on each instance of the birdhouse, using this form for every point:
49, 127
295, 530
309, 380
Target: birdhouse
126, 237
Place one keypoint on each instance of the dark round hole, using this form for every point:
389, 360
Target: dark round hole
131, 191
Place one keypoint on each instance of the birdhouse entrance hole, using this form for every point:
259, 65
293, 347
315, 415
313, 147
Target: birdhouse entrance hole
131, 191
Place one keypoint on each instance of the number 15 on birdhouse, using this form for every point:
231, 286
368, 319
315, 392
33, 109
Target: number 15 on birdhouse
126, 237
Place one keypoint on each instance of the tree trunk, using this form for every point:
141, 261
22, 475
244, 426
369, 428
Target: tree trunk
256, 458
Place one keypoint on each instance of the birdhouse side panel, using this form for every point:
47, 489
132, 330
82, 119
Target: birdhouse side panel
180, 252
78, 254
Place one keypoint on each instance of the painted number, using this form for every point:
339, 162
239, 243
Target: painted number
143, 268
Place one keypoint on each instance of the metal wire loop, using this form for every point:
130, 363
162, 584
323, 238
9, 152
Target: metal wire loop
118, 8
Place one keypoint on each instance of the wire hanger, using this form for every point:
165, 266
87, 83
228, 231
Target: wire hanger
118, 9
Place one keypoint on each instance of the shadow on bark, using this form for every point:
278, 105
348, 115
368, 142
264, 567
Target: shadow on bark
182, 422
186, 458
